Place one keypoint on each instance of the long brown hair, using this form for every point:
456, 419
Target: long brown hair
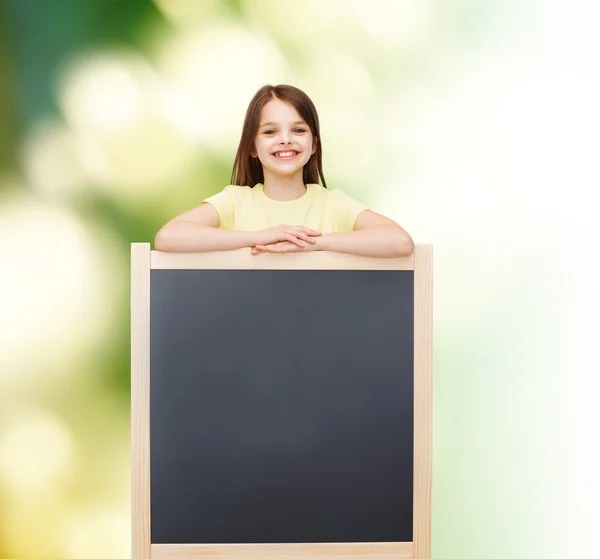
247, 170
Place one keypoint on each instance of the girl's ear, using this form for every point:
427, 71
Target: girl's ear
314, 145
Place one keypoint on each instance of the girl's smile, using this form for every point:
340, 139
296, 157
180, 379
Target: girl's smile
288, 154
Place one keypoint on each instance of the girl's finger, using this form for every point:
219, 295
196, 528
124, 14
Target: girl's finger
264, 248
309, 239
295, 240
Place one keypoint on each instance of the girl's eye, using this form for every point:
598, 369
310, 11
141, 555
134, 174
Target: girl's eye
296, 130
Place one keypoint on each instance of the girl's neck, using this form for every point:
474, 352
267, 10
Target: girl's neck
284, 188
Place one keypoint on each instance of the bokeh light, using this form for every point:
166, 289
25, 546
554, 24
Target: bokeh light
97, 533
398, 25
51, 160
56, 303
115, 104
34, 528
37, 452
105, 91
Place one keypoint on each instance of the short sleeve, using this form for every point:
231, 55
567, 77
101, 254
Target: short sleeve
346, 210
223, 203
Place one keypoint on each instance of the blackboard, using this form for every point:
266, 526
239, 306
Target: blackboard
281, 405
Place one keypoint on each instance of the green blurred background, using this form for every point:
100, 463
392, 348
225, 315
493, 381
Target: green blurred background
472, 124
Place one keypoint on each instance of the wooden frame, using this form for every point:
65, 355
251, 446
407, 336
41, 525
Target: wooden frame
142, 261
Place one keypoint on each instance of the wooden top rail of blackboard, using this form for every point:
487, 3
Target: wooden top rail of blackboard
242, 259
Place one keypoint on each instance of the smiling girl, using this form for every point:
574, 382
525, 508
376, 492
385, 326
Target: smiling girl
278, 200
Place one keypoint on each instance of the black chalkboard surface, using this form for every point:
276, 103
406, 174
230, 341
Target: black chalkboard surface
281, 406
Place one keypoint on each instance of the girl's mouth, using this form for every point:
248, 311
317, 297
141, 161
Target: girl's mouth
290, 154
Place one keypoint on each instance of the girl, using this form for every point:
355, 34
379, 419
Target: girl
275, 202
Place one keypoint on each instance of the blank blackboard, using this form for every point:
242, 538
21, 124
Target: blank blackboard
281, 406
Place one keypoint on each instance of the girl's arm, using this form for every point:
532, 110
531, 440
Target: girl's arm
198, 230
374, 235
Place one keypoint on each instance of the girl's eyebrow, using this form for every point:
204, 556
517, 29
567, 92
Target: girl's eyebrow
275, 124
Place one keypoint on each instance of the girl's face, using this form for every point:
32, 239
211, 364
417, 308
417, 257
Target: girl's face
284, 142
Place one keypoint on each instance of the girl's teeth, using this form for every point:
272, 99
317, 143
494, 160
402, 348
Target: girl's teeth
284, 154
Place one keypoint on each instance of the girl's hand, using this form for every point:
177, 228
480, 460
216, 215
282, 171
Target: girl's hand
283, 246
295, 234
